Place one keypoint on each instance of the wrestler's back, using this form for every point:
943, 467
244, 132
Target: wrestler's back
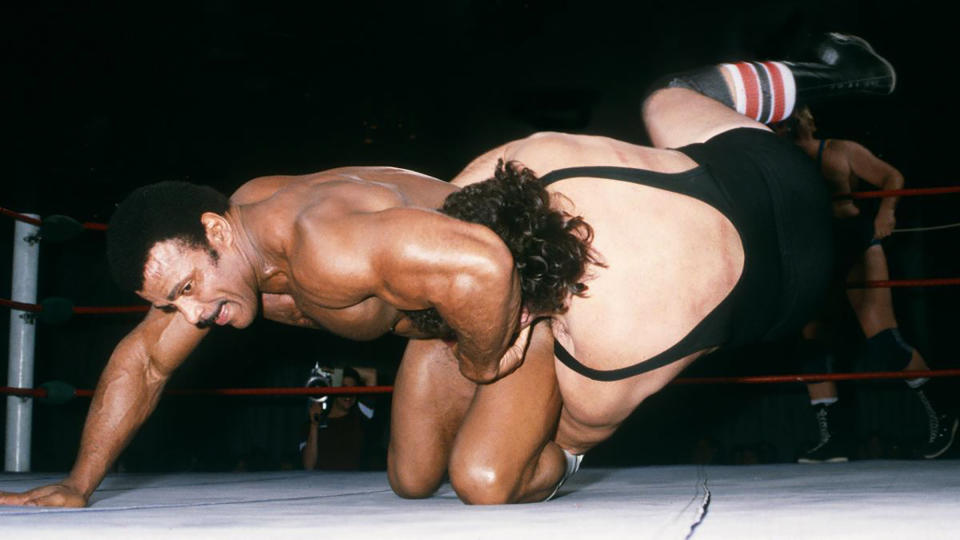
670, 260
362, 189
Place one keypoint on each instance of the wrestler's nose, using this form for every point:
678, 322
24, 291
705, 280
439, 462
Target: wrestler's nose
192, 311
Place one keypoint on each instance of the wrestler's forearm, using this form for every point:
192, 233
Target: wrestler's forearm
486, 324
309, 455
125, 396
891, 182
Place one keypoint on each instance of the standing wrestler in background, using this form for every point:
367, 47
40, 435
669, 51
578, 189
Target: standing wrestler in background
860, 232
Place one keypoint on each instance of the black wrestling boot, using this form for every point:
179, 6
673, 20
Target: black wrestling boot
942, 427
829, 449
847, 65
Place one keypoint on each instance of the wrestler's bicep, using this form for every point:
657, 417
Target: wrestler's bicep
867, 166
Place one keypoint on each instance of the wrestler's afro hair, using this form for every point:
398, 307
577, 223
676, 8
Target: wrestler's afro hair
152, 214
551, 249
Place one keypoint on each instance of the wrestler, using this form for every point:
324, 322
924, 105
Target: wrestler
861, 230
718, 237
343, 249
360, 252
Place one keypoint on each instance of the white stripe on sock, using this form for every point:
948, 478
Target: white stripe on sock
739, 94
789, 89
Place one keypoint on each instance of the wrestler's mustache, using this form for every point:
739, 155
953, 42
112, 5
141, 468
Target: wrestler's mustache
211, 320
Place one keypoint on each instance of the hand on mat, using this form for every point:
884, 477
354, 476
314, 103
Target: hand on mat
52, 495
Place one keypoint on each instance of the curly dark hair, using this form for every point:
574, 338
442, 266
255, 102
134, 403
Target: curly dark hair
155, 213
550, 248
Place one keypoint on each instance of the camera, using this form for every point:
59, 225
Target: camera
320, 377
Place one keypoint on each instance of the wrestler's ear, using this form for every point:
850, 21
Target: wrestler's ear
525, 318
219, 232
528, 318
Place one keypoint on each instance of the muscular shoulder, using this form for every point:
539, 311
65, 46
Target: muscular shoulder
261, 188
545, 143
845, 148
264, 187
547, 151
843, 157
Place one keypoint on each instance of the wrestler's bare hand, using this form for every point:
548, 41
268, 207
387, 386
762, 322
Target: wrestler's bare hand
845, 209
52, 495
884, 223
510, 361
513, 358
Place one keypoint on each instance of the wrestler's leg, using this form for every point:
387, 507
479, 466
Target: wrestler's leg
815, 357
760, 91
874, 306
430, 399
832, 419
504, 452
676, 117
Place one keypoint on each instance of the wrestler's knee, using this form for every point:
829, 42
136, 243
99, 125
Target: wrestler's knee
658, 100
482, 481
872, 319
411, 481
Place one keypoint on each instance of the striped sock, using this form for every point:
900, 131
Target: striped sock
763, 91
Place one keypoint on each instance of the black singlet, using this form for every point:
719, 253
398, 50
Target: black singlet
767, 302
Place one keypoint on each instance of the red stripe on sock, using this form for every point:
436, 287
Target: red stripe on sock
779, 101
751, 89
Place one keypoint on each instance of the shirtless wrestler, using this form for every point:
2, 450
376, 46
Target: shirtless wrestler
860, 233
341, 249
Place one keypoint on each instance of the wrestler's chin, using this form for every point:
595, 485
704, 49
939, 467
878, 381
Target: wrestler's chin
242, 319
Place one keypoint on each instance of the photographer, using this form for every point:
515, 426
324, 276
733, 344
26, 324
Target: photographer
341, 439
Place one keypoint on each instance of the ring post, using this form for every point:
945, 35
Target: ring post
26, 256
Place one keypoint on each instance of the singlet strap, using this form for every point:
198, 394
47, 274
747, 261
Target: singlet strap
694, 182
706, 334
668, 181
611, 374
823, 144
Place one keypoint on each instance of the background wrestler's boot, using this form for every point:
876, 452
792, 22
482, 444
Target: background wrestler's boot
832, 447
942, 424
846, 65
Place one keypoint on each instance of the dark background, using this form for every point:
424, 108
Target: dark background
102, 97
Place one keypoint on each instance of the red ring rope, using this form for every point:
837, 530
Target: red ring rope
20, 217
854, 195
102, 310
897, 192
820, 377
84, 310
354, 390
89, 225
33, 308
886, 284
